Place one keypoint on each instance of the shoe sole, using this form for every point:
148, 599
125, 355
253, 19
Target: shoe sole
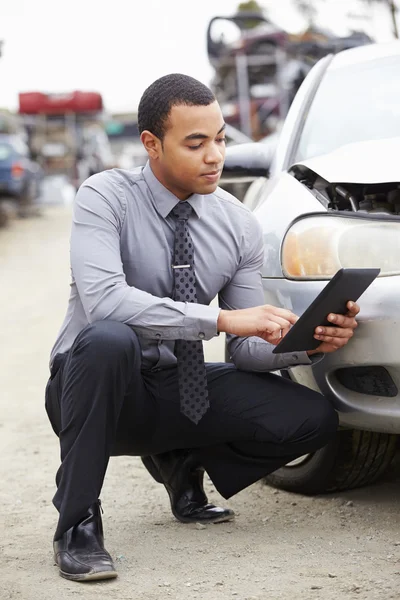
221, 519
86, 576
213, 520
90, 576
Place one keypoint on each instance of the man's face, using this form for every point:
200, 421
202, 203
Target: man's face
191, 158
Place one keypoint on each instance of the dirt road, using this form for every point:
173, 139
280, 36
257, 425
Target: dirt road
281, 546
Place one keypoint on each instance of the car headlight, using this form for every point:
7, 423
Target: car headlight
317, 247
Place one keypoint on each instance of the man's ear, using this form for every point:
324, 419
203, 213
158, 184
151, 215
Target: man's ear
152, 144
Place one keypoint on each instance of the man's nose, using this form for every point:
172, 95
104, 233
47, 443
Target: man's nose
214, 155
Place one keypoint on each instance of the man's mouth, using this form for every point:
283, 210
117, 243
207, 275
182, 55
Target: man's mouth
212, 176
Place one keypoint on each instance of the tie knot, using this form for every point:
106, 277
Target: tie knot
182, 210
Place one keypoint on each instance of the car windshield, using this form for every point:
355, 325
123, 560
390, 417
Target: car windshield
353, 104
5, 151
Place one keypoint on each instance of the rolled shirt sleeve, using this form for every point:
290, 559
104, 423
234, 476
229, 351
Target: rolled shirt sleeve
245, 291
98, 273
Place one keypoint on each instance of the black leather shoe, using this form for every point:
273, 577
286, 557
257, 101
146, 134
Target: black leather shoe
80, 552
183, 480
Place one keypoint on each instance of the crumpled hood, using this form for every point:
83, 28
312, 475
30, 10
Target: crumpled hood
375, 161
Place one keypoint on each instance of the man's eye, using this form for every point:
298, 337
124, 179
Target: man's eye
221, 140
194, 147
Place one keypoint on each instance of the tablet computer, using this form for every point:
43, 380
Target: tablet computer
347, 284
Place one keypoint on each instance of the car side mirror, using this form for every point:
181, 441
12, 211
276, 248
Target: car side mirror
248, 161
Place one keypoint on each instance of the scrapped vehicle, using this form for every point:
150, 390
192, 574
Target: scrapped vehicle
258, 66
66, 133
20, 177
330, 198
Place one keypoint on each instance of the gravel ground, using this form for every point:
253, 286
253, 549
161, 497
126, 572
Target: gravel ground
280, 546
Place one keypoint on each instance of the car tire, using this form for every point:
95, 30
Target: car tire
27, 206
3, 216
353, 459
25, 202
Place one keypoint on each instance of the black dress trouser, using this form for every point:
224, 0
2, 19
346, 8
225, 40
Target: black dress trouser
101, 404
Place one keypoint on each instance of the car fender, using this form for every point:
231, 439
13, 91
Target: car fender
285, 200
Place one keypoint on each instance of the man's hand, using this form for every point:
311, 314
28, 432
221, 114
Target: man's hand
267, 322
271, 324
333, 338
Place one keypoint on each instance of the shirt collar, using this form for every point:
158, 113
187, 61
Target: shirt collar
165, 200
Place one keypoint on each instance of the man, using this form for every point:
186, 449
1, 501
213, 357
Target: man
150, 249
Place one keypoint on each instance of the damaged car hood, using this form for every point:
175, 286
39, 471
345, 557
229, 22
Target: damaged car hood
373, 161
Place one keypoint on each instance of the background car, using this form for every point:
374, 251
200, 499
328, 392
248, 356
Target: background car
20, 177
330, 198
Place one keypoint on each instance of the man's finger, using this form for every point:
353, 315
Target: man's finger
322, 333
274, 332
270, 329
353, 309
282, 323
285, 331
283, 313
336, 342
270, 338
343, 321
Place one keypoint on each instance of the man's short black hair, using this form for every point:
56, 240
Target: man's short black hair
168, 91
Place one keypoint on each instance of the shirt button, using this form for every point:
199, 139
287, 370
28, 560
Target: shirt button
202, 335
158, 335
295, 357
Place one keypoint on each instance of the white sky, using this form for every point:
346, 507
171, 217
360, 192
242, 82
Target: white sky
115, 47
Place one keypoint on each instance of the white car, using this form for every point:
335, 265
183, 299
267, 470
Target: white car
330, 198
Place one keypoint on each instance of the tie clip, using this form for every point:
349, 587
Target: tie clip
181, 266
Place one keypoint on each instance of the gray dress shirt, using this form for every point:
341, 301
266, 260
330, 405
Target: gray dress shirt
121, 265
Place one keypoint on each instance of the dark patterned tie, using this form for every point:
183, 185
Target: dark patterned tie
191, 369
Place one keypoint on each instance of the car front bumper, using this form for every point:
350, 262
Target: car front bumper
376, 343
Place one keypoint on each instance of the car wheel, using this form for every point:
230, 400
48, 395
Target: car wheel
27, 206
353, 459
25, 202
3, 216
